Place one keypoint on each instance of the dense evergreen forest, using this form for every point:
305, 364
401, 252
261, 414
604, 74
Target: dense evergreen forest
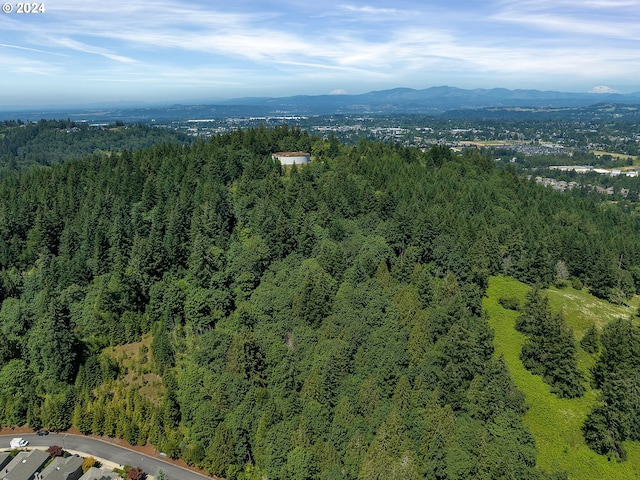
314, 322
54, 141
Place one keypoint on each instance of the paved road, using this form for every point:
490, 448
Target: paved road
106, 451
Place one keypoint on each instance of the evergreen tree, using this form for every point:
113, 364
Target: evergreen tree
161, 475
389, 455
616, 373
591, 340
297, 322
53, 348
221, 452
550, 349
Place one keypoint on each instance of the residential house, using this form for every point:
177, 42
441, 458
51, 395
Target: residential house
25, 465
99, 474
5, 458
64, 468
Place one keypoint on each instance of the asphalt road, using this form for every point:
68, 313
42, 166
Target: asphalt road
107, 451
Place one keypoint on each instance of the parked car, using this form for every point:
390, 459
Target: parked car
18, 443
42, 433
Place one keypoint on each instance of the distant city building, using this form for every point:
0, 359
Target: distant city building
614, 172
575, 168
291, 158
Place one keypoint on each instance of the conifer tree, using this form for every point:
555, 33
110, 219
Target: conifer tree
550, 349
591, 340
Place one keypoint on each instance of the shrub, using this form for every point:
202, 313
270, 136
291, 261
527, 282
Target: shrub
88, 463
510, 303
576, 283
136, 473
55, 451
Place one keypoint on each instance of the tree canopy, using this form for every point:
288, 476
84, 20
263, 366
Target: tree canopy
316, 321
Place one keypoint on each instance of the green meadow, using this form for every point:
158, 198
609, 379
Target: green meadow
554, 422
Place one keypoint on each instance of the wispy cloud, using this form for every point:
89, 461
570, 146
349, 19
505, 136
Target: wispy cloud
594, 19
19, 47
15, 65
82, 47
369, 10
336, 43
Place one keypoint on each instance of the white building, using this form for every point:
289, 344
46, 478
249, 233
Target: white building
292, 158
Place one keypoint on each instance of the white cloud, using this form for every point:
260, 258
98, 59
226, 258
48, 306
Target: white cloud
82, 47
592, 19
338, 91
19, 47
371, 10
17, 65
200, 44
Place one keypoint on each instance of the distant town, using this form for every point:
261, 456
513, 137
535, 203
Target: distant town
526, 138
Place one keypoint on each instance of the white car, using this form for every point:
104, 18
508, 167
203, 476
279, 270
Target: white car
18, 443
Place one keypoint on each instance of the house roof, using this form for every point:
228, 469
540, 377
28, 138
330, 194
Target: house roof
5, 458
97, 474
24, 465
63, 468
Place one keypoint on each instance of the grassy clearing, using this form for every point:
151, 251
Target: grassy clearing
581, 309
134, 360
555, 423
600, 153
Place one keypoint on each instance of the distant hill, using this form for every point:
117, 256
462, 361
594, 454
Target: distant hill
55, 141
599, 111
431, 101
434, 100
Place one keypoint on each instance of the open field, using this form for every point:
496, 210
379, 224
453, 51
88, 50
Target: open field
600, 153
133, 359
555, 423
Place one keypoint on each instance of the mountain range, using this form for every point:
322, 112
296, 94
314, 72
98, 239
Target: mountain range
429, 101
434, 100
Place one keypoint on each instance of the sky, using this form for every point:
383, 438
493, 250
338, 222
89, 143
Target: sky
87, 52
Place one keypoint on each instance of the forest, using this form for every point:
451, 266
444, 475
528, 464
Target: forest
322, 321
54, 141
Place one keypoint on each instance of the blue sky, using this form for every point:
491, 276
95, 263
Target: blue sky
88, 51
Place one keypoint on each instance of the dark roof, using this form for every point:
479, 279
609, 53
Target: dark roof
69, 468
24, 465
5, 458
99, 474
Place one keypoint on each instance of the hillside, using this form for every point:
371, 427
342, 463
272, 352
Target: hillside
556, 423
54, 141
322, 321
